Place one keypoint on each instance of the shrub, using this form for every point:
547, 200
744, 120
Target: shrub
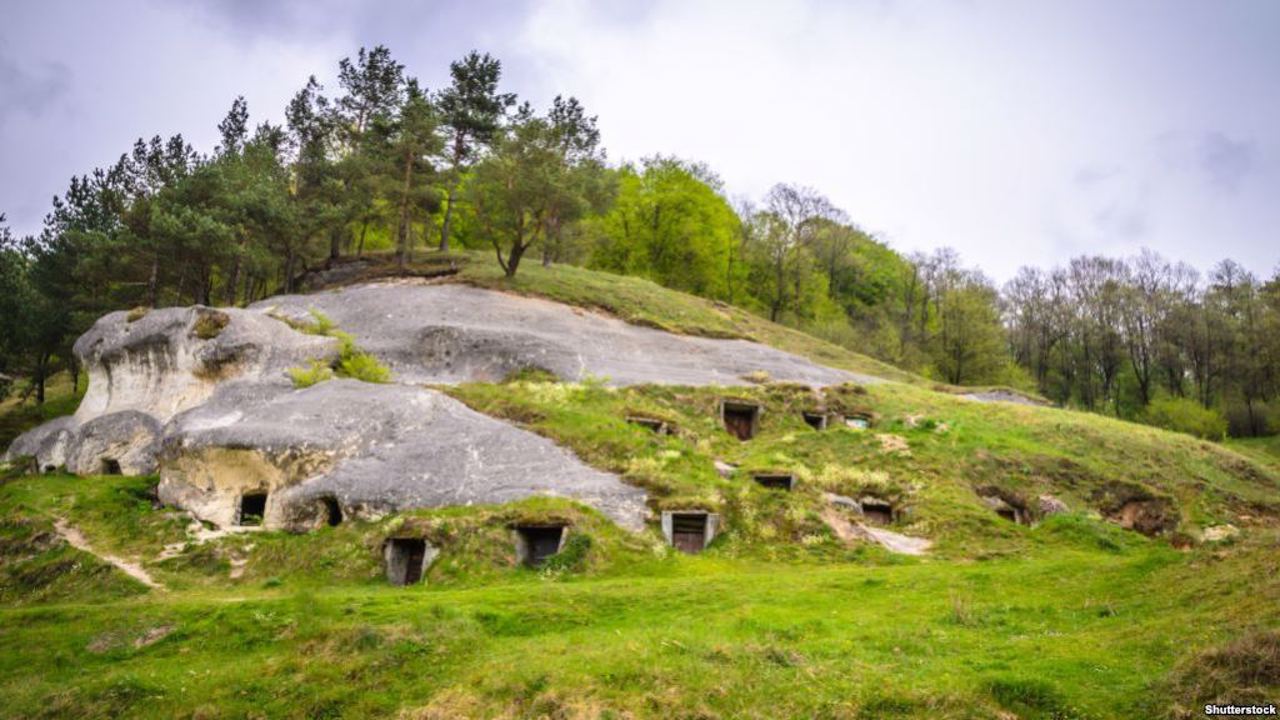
316, 372
356, 364
210, 324
364, 367
1186, 416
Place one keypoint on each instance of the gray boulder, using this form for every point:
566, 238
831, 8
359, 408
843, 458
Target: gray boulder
445, 333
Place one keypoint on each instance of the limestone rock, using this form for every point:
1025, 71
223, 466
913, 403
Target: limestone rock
1050, 505
124, 442
372, 449
1218, 533
201, 396
454, 333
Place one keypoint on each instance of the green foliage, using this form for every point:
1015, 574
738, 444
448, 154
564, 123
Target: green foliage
572, 557
19, 414
670, 224
1186, 416
363, 367
314, 373
210, 325
352, 362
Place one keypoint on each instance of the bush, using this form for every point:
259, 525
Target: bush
210, 324
1186, 416
316, 372
356, 364
364, 367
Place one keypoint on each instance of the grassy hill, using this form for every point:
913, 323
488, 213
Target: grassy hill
1068, 616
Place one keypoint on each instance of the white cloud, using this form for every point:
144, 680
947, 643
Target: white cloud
968, 125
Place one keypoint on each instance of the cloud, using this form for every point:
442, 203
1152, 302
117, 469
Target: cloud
1226, 162
31, 91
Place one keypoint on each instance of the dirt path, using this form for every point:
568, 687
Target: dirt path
77, 540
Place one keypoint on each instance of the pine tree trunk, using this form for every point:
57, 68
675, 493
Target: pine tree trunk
153, 283
448, 220
402, 244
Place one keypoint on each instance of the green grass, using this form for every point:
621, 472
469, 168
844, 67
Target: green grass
1069, 629
930, 453
1073, 617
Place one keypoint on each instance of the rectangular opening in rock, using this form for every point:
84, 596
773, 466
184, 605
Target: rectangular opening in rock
776, 481
689, 532
740, 418
332, 511
817, 421
536, 543
652, 424
876, 511
110, 466
253, 507
406, 560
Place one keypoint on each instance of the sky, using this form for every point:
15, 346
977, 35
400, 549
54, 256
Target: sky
1019, 132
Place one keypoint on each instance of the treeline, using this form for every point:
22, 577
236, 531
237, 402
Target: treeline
1149, 339
387, 165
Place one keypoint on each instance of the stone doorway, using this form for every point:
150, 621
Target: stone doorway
740, 419
876, 511
253, 508
776, 481
690, 531
406, 560
817, 421
536, 543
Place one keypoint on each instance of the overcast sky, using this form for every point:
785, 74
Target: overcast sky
1017, 132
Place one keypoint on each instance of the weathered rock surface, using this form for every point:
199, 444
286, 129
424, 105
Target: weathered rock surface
159, 364
202, 397
444, 333
372, 449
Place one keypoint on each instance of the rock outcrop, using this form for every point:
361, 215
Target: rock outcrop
202, 397
445, 333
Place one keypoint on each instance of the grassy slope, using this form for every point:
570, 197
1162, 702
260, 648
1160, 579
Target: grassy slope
1087, 623
1072, 618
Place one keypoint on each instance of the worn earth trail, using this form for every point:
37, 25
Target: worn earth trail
77, 540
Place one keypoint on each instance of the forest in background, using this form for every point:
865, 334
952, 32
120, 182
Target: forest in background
387, 165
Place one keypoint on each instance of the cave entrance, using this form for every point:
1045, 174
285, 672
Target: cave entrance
740, 418
689, 531
406, 560
652, 424
253, 507
111, 466
817, 421
876, 511
536, 543
332, 510
776, 482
